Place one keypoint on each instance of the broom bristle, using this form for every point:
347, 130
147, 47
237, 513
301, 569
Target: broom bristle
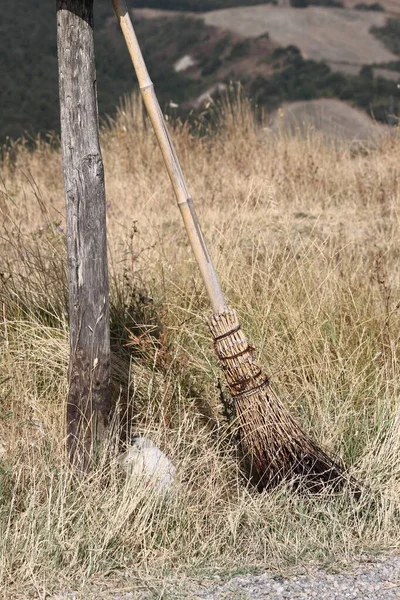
278, 448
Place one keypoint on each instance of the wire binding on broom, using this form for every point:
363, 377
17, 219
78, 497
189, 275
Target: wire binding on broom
277, 446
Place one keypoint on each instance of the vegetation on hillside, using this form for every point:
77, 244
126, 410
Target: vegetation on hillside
305, 236
301, 79
374, 6
198, 5
29, 95
393, 65
207, 5
389, 34
28, 67
305, 3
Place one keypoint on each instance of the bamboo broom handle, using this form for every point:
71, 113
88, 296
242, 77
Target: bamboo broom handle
185, 202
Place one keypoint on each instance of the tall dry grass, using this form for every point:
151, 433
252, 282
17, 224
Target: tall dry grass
305, 236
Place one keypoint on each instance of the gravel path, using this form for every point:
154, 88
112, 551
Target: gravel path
368, 579
377, 581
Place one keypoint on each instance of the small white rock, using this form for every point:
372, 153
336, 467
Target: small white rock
184, 63
146, 461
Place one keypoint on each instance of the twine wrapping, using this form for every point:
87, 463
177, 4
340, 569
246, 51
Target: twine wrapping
277, 446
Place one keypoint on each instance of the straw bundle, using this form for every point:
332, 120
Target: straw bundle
276, 445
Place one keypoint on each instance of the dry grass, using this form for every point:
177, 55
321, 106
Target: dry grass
306, 239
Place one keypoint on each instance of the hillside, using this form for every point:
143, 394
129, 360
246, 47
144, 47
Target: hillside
279, 54
336, 119
335, 35
28, 69
391, 7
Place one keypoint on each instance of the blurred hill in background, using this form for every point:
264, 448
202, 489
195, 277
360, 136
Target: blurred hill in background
281, 51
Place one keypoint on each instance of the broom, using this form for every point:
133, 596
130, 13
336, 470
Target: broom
277, 447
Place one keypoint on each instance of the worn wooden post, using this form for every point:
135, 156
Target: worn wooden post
89, 368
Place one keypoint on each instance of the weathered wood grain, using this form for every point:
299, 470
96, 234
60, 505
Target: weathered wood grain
89, 369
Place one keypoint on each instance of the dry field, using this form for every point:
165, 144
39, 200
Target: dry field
341, 37
333, 118
333, 35
390, 6
305, 236
158, 13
